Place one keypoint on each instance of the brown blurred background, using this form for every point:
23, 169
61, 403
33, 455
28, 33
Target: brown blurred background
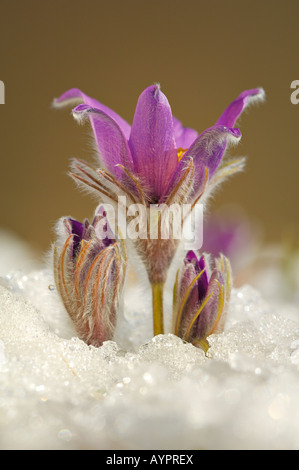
203, 53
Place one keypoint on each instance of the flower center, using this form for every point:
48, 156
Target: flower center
180, 152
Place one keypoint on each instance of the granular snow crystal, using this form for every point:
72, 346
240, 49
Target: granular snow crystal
138, 392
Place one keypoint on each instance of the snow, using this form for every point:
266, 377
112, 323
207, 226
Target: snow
139, 392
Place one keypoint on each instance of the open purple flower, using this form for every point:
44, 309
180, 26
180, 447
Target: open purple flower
154, 155
89, 267
201, 298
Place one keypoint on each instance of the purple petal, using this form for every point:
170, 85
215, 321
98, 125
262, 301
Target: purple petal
179, 182
152, 141
203, 282
184, 136
208, 150
209, 315
234, 110
191, 257
77, 228
112, 144
73, 227
188, 274
199, 264
102, 227
76, 96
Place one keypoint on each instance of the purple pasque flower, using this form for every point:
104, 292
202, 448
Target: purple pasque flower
156, 159
201, 298
89, 267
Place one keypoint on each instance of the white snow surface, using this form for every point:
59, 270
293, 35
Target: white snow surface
139, 392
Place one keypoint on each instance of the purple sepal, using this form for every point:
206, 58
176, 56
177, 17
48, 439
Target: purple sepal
75, 95
235, 109
111, 142
152, 142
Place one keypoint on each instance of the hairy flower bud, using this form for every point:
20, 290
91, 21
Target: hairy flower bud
89, 267
201, 298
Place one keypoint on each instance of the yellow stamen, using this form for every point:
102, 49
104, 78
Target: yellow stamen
180, 152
